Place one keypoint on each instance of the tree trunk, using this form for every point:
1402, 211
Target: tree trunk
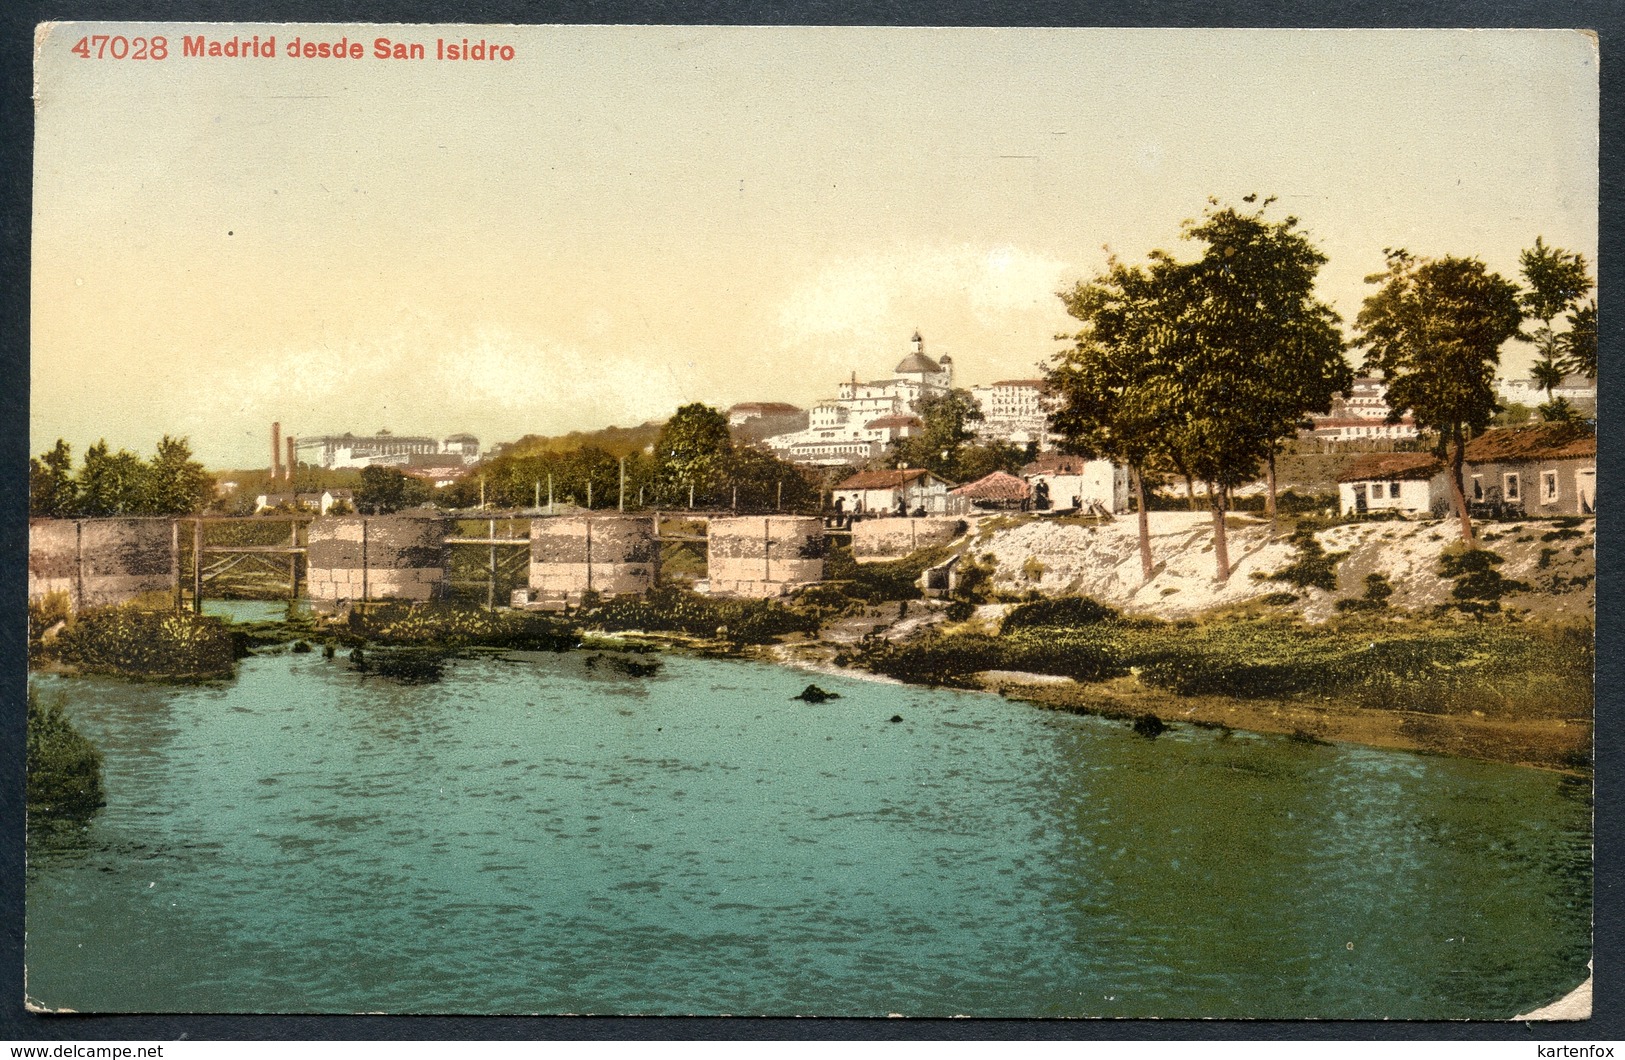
1458, 447
1145, 524
1269, 474
1190, 493
1221, 549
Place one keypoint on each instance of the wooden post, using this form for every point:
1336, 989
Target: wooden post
620, 500
640, 496
538, 503
778, 502
364, 586
736, 498
78, 566
550, 493
691, 496
197, 566
589, 554
293, 559
175, 562
482, 491
589, 494
491, 582
767, 550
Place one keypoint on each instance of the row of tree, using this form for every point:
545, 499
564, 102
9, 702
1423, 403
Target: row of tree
121, 483
694, 460
1205, 368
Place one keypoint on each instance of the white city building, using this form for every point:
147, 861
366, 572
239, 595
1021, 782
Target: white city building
864, 418
1013, 410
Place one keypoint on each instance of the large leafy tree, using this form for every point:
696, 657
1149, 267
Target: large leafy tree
1555, 280
949, 428
388, 489
51, 488
111, 483
1434, 329
175, 483
1262, 351
1263, 335
691, 455
1114, 391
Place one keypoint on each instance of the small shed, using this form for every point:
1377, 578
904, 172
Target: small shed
997, 490
1412, 484
1062, 481
1541, 469
899, 491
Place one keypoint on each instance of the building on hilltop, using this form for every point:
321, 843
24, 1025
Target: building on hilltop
1360, 415
1577, 390
864, 418
1014, 411
388, 450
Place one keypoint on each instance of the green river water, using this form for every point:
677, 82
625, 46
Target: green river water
545, 834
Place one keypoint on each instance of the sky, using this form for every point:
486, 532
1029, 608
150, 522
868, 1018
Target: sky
621, 220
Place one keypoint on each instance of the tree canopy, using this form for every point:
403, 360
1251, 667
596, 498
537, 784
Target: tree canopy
1203, 366
121, 483
1434, 329
1555, 280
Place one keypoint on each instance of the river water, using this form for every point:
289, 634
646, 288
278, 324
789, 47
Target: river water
546, 834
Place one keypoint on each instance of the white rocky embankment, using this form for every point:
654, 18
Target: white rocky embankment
1103, 561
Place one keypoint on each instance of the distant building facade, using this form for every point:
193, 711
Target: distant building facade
1361, 414
1577, 390
1014, 411
901, 491
389, 450
864, 418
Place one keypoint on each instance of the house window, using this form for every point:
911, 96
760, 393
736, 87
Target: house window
1478, 487
1510, 486
1548, 487
1393, 489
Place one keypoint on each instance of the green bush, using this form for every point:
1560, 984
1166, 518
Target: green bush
1377, 592
1314, 566
677, 610
1058, 611
441, 626
64, 768
1478, 587
155, 644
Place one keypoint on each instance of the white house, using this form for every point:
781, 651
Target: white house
885, 492
1411, 484
1077, 482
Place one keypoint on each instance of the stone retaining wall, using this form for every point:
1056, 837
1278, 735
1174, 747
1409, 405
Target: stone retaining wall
405, 557
882, 539
764, 556
100, 562
611, 555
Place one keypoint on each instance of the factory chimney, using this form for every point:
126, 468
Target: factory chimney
276, 451
291, 460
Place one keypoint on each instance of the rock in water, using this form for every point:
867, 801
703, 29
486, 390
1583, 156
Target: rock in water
814, 694
896, 717
1149, 726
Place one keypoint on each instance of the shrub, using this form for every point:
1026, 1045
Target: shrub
64, 768
1314, 566
1377, 592
677, 610
1478, 587
440, 626
157, 644
1058, 611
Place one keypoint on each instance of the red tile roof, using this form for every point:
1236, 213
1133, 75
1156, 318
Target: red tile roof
881, 480
1391, 466
999, 486
1540, 441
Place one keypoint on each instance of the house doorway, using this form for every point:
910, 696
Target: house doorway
1585, 486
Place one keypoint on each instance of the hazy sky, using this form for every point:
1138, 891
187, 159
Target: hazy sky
621, 220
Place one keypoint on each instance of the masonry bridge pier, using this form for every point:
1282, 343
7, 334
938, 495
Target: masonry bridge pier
413, 556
